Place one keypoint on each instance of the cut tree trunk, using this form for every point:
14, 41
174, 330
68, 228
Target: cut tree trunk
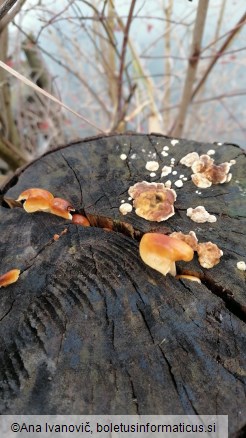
89, 328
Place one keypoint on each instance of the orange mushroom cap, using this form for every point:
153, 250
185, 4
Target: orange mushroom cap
79, 219
30, 193
36, 203
9, 277
160, 252
61, 207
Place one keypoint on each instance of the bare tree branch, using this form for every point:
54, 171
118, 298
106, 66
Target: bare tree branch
192, 67
218, 54
9, 17
5, 8
123, 54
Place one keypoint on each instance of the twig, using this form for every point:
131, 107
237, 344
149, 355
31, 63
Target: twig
208, 99
123, 54
104, 7
218, 54
231, 114
46, 94
9, 17
7, 5
219, 22
121, 118
70, 70
194, 57
167, 68
10, 154
53, 19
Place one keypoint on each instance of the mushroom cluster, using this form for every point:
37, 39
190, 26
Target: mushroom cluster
205, 172
41, 200
160, 251
36, 199
208, 253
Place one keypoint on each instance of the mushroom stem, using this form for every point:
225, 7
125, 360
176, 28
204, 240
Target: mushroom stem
160, 252
172, 270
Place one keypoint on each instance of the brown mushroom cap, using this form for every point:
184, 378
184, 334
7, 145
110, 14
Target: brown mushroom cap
190, 238
79, 219
36, 203
153, 201
160, 252
209, 254
61, 207
35, 192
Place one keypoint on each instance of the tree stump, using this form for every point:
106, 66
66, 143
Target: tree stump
89, 328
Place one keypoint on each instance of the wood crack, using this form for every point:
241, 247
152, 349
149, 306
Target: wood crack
8, 311
76, 177
227, 296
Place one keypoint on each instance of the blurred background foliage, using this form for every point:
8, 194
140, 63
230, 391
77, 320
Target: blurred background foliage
170, 66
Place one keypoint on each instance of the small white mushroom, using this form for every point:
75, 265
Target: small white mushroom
123, 156
241, 266
179, 183
166, 170
152, 165
200, 215
174, 142
125, 208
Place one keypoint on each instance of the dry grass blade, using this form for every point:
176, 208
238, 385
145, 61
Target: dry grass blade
154, 120
46, 94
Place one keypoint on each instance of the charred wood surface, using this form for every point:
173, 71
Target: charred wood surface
90, 329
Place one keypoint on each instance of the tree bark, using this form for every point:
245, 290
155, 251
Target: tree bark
88, 327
